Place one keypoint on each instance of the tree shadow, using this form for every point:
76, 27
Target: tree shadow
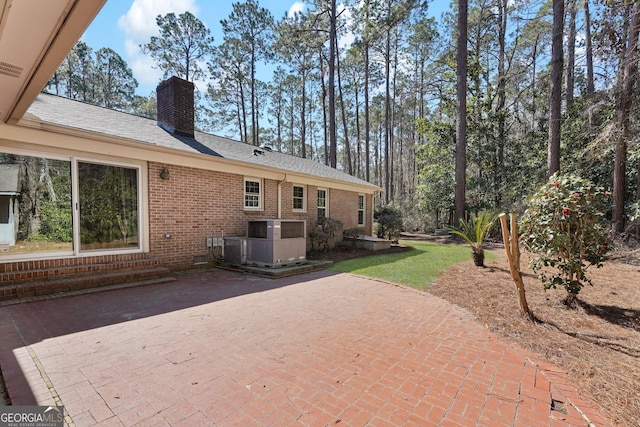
625, 317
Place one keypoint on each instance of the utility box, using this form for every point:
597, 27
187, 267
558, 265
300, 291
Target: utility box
276, 242
235, 250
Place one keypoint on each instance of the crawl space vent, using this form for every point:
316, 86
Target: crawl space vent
11, 70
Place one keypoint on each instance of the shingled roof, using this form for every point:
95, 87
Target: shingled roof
78, 115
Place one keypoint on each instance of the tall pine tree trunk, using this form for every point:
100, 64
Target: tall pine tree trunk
254, 130
502, 95
244, 112
555, 98
571, 53
461, 113
325, 132
624, 111
589, 54
303, 115
333, 141
347, 145
367, 122
387, 116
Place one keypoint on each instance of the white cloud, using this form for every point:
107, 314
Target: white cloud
296, 7
142, 66
139, 24
140, 20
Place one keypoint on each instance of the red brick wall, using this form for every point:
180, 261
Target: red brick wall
175, 104
343, 206
194, 204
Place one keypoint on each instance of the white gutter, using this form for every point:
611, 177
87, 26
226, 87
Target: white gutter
280, 195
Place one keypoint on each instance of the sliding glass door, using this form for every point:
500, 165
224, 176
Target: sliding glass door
67, 206
108, 206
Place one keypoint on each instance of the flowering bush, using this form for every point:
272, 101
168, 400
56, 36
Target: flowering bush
563, 229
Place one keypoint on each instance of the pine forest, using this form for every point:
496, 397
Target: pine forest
467, 112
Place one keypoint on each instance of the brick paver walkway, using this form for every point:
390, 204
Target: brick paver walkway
220, 348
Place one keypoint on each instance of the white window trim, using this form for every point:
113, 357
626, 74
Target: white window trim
304, 198
364, 210
143, 205
142, 188
326, 200
260, 195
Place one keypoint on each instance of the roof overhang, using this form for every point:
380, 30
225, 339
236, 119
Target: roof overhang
38, 136
35, 37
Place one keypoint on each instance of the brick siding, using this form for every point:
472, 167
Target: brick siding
192, 205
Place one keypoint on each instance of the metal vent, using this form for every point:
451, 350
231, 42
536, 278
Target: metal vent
11, 70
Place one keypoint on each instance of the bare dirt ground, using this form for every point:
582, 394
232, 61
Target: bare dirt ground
597, 344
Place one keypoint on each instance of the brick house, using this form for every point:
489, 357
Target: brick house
107, 197
162, 188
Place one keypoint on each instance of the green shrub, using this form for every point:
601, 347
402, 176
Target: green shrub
389, 219
563, 229
325, 231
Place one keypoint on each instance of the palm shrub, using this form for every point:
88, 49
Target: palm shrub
563, 228
474, 231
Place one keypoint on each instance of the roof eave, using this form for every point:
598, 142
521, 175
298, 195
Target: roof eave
157, 153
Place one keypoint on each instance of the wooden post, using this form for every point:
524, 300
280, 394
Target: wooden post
512, 249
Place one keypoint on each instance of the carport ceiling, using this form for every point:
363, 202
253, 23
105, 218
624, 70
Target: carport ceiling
35, 36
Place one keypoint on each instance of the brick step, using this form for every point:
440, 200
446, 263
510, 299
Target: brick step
81, 281
27, 275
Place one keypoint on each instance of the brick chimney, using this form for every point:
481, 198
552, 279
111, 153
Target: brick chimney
175, 106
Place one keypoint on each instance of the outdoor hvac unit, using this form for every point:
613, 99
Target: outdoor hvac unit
276, 242
235, 250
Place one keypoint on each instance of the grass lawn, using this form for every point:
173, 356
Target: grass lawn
417, 268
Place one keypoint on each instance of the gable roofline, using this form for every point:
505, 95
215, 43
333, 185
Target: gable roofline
210, 152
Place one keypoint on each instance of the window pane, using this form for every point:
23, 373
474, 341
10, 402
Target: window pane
251, 201
298, 197
108, 198
322, 204
251, 194
36, 205
252, 187
322, 199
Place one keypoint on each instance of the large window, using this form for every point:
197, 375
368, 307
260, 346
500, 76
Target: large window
252, 194
299, 198
361, 210
108, 200
323, 204
37, 215
68, 206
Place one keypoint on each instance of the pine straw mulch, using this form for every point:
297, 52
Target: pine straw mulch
597, 344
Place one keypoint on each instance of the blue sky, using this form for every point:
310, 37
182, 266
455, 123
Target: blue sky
123, 25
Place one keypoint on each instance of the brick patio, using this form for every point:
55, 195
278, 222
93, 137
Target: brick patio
223, 348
